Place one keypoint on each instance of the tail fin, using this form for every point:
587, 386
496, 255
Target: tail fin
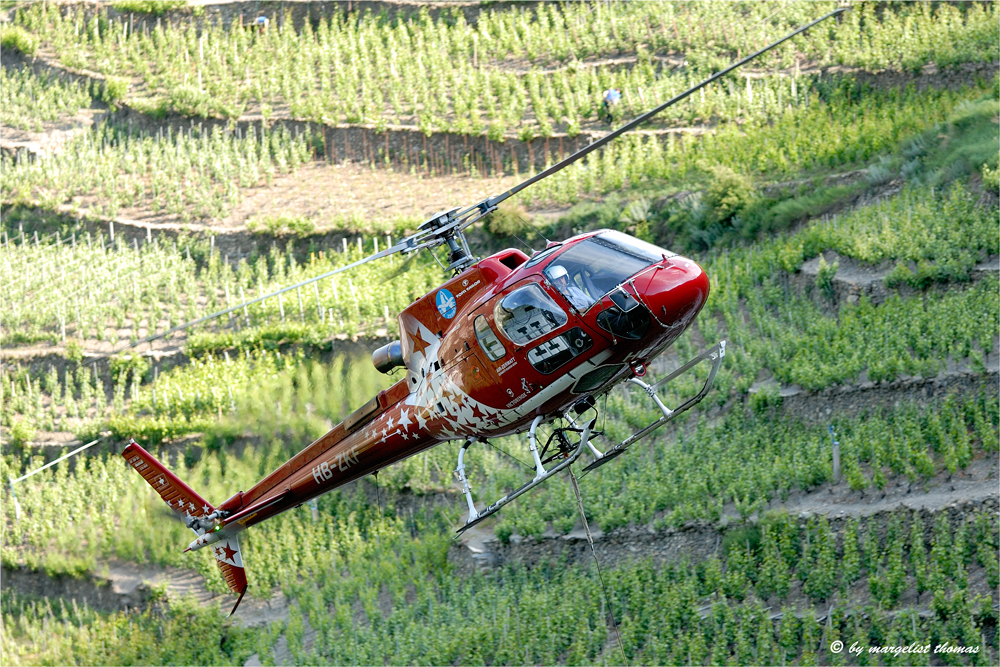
182, 499
230, 560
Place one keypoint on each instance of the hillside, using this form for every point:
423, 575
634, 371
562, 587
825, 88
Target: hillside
161, 163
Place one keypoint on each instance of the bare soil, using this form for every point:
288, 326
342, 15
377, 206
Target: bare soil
328, 192
50, 136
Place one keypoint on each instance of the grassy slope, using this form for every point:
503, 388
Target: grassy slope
554, 615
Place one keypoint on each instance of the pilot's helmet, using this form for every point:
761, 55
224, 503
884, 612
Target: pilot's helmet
556, 272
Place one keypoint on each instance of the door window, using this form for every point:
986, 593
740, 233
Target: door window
488, 340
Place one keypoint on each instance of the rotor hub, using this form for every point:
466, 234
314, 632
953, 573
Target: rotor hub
445, 227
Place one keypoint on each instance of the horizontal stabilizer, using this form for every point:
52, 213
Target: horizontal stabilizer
180, 497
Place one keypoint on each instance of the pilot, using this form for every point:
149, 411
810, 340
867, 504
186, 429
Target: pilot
576, 296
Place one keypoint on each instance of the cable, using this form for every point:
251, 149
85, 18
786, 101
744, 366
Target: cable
378, 498
509, 455
600, 575
61, 458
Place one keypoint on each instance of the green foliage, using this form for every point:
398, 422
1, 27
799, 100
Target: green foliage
765, 399
23, 432
384, 579
26, 99
270, 337
114, 89
181, 632
152, 7
197, 173
18, 39
843, 130
251, 386
819, 563
991, 178
73, 350
283, 224
91, 290
825, 275
727, 195
507, 221
135, 365
242, 69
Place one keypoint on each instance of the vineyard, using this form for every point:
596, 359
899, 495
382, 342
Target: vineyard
841, 193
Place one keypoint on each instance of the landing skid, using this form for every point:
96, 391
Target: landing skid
541, 474
570, 454
715, 354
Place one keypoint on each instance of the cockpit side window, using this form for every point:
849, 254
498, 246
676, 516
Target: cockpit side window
527, 314
488, 340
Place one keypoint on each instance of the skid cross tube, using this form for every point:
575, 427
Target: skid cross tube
715, 354
476, 517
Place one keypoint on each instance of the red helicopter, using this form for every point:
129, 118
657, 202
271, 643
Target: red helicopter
509, 343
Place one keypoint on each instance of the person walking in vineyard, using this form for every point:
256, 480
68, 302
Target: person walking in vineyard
612, 97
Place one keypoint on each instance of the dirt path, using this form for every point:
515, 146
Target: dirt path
350, 192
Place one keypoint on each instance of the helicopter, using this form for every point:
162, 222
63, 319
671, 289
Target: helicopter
507, 344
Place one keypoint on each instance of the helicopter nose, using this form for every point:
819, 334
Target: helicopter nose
676, 291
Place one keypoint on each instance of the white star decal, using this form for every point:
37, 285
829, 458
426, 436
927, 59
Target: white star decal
390, 422
383, 435
205, 508
170, 503
404, 419
190, 504
420, 420
406, 436
161, 481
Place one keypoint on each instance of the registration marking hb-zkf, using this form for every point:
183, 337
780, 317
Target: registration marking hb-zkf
341, 461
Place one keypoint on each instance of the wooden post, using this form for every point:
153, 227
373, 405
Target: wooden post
302, 312
836, 457
246, 313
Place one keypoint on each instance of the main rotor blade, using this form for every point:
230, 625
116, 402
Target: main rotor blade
492, 202
401, 269
402, 245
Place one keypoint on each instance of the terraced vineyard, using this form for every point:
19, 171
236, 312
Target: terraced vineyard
841, 193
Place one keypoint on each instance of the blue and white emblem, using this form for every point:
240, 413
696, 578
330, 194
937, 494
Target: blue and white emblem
446, 304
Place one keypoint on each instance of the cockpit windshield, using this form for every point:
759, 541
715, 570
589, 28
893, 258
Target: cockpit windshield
592, 268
